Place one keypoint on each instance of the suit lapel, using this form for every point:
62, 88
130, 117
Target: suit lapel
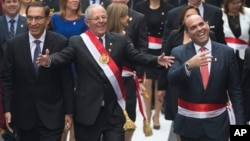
214, 64
5, 28
21, 25
27, 53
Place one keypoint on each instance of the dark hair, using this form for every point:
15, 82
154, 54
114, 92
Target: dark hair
226, 3
183, 13
39, 4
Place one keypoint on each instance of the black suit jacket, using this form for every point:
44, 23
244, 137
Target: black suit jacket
85, 4
223, 79
246, 82
212, 14
92, 84
4, 29
46, 96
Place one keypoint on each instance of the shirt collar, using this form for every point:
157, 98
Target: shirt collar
208, 46
42, 38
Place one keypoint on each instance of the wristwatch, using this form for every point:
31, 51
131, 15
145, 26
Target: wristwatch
187, 65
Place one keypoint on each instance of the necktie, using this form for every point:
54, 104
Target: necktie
12, 30
36, 53
93, 1
204, 71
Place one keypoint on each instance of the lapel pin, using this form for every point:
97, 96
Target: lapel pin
162, 13
215, 59
21, 25
110, 44
102, 3
109, 50
130, 18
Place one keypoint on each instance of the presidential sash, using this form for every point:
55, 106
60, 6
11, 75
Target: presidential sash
111, 70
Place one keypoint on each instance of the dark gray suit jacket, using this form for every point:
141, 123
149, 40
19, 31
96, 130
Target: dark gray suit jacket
92, 84
223, 79
4, 29
46, 96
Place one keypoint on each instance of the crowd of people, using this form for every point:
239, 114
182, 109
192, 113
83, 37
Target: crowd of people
80, 67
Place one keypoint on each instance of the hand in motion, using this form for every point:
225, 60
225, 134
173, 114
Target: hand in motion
43, 60
200, 59
165, 60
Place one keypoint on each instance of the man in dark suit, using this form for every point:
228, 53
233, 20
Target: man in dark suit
86, 3
246, 83
99, 103
11, 8
39, 101
205, 78
210, 13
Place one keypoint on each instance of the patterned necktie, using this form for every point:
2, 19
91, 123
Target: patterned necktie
36, 53
204, 71
12, 29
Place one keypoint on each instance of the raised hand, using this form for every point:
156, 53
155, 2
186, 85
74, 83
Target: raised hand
43, 60
165, 60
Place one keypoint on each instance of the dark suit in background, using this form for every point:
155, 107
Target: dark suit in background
4, 28
246, 83
86, 3
217, 3
212, 14
53, 4
132, 3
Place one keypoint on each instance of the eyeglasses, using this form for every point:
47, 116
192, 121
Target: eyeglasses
37, 18
99, 18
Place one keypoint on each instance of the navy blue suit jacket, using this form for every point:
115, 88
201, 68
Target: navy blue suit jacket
223, 79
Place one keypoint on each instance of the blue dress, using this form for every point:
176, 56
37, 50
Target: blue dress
68, 28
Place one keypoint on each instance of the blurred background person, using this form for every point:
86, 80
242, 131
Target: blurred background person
155, 12
11, 17
86, 3
24, 4
236, 28
53, 5
1, 9
132, 3
69, 20
210, 13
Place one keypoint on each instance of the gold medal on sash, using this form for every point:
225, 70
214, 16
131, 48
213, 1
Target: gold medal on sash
104, 59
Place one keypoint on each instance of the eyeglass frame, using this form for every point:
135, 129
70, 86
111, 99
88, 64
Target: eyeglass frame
98, 18
36, 18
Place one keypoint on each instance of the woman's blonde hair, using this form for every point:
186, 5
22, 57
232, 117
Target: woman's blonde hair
62, 11
115, 12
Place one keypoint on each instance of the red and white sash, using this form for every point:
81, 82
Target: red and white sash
154, 42
237, 44
98, 52
126, 71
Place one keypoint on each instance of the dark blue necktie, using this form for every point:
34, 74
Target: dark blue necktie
36, 53
12, 29
93, 1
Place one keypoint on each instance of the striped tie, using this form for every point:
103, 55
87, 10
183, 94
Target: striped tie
12, 30
36, 53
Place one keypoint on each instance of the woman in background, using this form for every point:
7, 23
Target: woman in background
236, 27
69, 20
155, 12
